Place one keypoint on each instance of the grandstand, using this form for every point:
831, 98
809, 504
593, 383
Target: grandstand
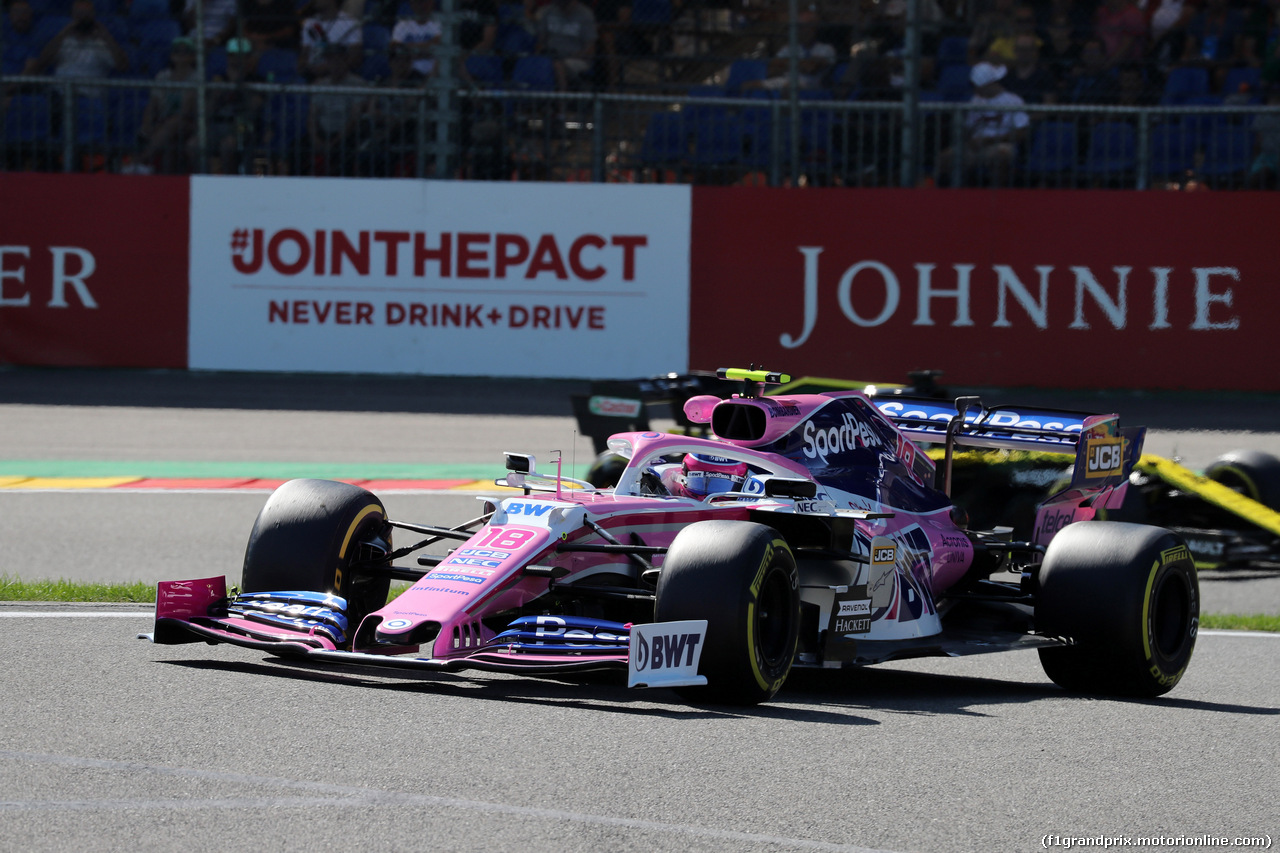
692, 92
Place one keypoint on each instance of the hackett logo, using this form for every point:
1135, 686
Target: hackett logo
71, 268
870, 294
478, 255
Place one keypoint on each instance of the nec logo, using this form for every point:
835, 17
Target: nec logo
884, 555
1104, 458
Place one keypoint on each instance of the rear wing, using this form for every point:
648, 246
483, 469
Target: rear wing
995, 428
1104, 453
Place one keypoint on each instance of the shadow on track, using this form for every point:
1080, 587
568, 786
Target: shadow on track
1169, 410
287, 391
828, 698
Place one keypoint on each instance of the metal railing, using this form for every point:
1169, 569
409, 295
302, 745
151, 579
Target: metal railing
297, 129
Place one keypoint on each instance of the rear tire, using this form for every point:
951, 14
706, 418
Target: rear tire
1128, 598
1252, 473
742, 578
307, 537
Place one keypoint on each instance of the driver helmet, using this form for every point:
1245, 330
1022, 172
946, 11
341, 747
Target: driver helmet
707, 475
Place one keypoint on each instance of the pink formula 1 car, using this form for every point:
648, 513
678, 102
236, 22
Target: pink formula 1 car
807, 531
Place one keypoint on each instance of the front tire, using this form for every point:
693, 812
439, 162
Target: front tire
1252, 473
1127, 597
742, 578
309, 535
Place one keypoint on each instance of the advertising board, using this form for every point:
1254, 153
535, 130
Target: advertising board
93, 271
1060, 289
439, 277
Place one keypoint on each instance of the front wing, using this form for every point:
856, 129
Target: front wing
200, 610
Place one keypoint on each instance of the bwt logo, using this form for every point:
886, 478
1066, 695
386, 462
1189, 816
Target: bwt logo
1104, 458
666, 651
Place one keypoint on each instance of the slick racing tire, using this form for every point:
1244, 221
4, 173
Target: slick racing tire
1252, 473
606, 470
742, 578
309, 536
1127, 598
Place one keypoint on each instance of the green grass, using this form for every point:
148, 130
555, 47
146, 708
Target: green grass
1235, 622
15, 589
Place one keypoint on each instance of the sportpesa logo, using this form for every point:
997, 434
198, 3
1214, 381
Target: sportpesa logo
850, 434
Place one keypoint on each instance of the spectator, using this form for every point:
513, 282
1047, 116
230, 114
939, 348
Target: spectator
233, 115
1001, 50
567, 33
1266, 126
1132, 89
1093, 81
219, 22
1167, 29
1122, 29
167, 119
18, 45
1215, 36
1060, 53
418, 35
330, 26
620, 38
477, 25
1030, 80
996, 22
270, 23
388, 125
814, 59
1262, 40
83, 48
333, 116
992, 136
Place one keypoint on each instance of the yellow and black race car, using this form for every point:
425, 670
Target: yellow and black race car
1229, 515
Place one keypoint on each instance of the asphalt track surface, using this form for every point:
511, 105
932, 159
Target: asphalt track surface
111, 743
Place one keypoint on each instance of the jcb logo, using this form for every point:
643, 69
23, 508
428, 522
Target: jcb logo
1104, 458
883, 555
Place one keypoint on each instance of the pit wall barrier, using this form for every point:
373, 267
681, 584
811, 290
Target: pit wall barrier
1065, 289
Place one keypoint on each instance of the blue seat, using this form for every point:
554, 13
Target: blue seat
1053, 148
954, 83
515, 40
147, 9
125, 108
651, 12
717, 140
155, 32
375, 67
279, 64
1113, 149
485, 69
953, 50
745, 71
91, 121
376, 38
534, 73
1173, 149
28, 119
1244, 80
286, 119
215, 63
666, 139
49, 26
1229, 151
1183, 82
